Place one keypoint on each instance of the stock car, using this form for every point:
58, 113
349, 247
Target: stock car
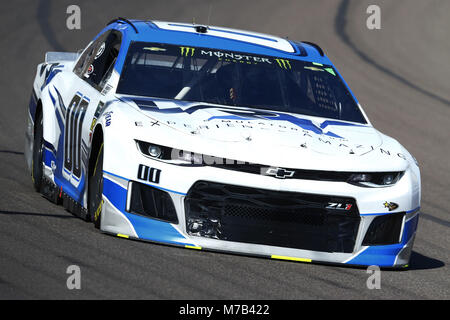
220, 139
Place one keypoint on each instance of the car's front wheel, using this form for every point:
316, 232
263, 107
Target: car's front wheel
38, 150
96, 189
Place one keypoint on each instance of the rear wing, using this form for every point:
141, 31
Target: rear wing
51, 57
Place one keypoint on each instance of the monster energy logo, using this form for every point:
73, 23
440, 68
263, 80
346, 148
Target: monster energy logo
235, 57
285, 64
187, 51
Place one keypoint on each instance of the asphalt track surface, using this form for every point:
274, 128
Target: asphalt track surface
400, 74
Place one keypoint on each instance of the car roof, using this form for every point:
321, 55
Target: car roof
214, 37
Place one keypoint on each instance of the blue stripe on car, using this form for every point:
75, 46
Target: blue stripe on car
385, 255
146, 228
149, 184
384, 213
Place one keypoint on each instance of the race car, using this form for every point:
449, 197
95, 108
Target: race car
220, 139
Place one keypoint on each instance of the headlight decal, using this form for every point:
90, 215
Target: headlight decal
375, 179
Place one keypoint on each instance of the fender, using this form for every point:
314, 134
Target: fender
44, 73
51, 126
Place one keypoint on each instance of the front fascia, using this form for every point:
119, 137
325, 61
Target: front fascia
122, 167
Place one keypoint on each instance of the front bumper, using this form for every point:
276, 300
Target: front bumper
232, 225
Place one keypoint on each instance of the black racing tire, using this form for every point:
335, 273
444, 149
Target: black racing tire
37, 167
96, 189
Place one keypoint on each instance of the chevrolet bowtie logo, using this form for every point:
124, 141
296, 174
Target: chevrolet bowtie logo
280, 173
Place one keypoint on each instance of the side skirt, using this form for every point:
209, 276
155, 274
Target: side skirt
55, 194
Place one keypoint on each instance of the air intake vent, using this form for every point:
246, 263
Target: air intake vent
384, 230
151, 202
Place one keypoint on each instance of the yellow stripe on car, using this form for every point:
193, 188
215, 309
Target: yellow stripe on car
290, 258
193, 247
123, 235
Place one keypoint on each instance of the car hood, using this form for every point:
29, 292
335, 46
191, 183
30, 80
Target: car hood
256, 126
273, 131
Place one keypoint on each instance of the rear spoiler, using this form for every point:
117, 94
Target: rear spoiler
51, 57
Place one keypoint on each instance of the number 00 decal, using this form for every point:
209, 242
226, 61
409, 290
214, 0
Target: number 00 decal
72, 134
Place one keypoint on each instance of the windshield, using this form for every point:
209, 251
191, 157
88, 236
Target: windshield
236, 79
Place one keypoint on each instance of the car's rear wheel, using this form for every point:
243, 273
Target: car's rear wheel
37, 167
96, 189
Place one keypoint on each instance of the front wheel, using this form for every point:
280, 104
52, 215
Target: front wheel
96, 190
38, 150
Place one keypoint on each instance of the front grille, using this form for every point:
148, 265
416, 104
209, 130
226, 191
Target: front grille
285, 219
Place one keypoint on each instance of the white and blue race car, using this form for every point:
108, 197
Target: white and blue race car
220, 139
